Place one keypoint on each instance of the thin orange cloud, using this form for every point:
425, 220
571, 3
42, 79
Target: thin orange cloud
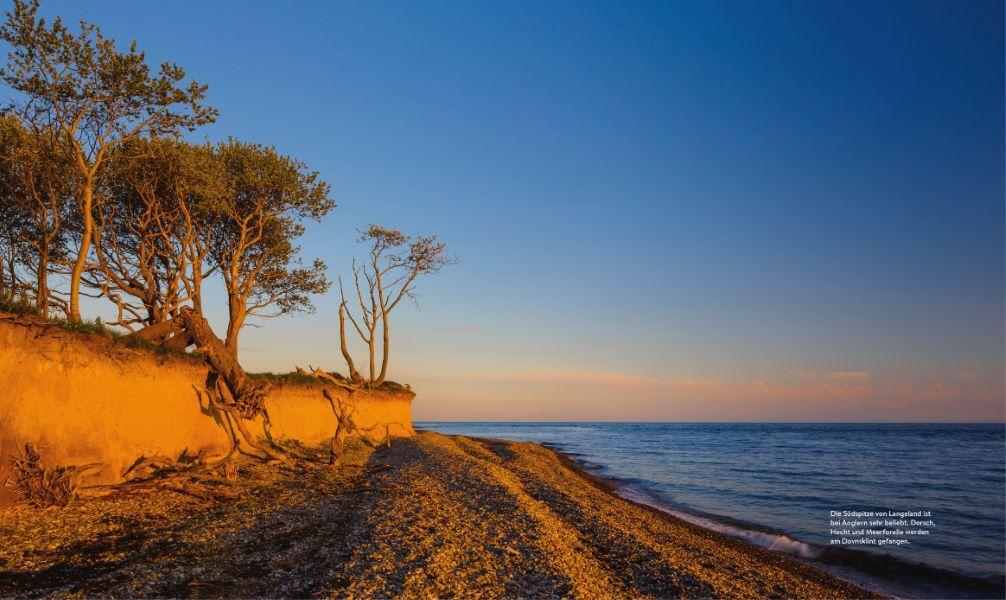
808, 396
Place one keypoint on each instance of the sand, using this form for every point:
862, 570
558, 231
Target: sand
431, 516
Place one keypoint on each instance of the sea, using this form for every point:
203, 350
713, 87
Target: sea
781, 486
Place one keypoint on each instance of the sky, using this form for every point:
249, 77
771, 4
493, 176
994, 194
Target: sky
669, 211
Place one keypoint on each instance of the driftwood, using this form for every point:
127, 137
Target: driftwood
344, 411
41, 486
335, 380
191, 475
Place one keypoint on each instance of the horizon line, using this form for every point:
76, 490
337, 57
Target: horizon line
731, 422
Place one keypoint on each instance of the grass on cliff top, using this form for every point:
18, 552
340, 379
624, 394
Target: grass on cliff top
301, 378
18, 305
24, 307
292, 377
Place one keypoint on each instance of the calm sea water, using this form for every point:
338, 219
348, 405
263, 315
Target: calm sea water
774, 484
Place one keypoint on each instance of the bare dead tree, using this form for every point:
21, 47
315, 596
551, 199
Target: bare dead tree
394, 263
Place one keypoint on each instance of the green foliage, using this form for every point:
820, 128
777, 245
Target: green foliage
79, 88
268, 197
82, 85
292, 377
37, 180
154, 227
160, 213
18, 305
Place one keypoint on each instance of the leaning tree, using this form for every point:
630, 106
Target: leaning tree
80, 87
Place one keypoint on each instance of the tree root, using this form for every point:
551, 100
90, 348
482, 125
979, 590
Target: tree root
196, 477
216, 393
43, 487
344, 412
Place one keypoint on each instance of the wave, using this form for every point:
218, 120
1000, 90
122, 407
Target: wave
766, 539
881, 573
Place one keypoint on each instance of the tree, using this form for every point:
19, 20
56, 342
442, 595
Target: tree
78, 86
13, 250
266, 200
153, 228
394, 263
36, 180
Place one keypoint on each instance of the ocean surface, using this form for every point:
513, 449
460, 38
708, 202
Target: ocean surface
776, 485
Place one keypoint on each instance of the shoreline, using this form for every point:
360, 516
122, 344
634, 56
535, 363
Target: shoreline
432, 515
618, 490
856, 567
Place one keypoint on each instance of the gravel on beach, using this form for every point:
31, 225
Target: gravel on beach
431, 516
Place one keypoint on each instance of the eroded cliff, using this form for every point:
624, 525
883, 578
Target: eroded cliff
84, 398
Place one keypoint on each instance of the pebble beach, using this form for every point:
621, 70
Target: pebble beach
429, 516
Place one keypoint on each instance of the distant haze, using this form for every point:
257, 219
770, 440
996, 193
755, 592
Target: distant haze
739, 211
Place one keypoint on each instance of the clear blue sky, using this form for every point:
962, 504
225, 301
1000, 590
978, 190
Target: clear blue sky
697, 210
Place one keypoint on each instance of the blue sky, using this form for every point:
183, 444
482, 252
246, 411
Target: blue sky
671, 211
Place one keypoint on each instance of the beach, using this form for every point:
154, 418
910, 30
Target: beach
433, 515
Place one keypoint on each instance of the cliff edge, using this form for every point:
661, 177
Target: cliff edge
82, 398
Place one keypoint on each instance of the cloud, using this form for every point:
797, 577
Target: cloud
833, 384
562, 394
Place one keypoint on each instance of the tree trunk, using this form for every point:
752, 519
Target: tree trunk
354, 376
247, 393
342, 429
159, 333
85, 246
197, 286
241, 396
370, 345
385, 347
42, 295
234, 324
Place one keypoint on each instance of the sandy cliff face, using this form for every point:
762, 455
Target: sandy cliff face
83, 399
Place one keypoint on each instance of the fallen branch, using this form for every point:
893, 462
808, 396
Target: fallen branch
44, 487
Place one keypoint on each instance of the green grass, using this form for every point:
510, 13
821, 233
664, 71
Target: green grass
292, 377
95, 326
18, 305
131, 342
23, 306
302, 378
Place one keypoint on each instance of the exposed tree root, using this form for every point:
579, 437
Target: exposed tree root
216, 393
191, 475
40, 486
344, 411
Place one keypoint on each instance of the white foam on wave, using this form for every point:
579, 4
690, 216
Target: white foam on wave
772, 541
